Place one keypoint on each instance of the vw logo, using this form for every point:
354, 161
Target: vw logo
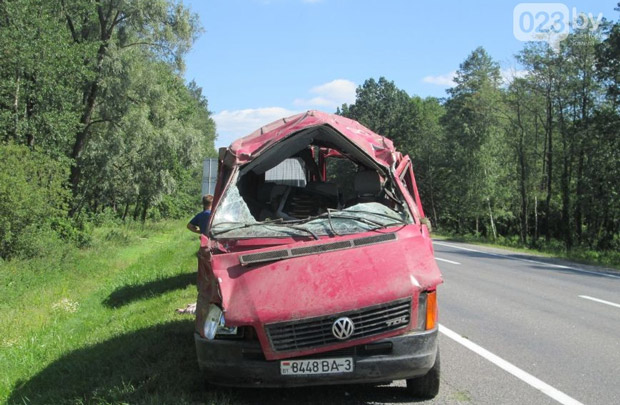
343, 328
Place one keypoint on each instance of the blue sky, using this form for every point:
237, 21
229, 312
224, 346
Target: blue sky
260, 60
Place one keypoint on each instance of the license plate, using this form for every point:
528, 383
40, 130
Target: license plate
316, 366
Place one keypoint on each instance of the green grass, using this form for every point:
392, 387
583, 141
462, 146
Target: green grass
555, 249
98, 325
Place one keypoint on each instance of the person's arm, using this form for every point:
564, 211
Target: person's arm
193, 227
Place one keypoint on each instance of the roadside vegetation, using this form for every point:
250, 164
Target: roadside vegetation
97, 324
555, 250
96, 119
527, 158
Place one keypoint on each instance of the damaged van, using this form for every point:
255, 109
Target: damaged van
318, 266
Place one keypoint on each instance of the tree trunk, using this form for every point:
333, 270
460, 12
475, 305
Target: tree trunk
136, 210
29, 113
523, 175
90, 97
565, 183
549, 130
524, 224
535, 242
126, 211
491, 219
16, 104
145, 207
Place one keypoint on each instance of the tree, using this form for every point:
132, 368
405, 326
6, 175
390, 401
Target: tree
166, 30
472, 126
385, 109
428, 154
525, 108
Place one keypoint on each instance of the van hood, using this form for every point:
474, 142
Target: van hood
324, 283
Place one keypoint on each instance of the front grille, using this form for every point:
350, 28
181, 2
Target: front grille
317, 332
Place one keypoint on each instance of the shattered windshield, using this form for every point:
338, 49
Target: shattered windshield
234, 219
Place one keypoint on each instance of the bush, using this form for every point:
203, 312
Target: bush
33, 201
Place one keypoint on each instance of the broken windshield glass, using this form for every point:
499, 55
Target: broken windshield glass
233, 219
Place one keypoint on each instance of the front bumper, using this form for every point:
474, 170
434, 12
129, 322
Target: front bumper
241, 363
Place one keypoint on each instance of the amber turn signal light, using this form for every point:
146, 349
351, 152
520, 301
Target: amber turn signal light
431, 310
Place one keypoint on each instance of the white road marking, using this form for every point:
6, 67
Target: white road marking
613, 304
446, 260
512, 369
559, 266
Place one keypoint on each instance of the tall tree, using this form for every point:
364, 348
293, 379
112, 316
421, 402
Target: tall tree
472, 126
166, 29
384, 108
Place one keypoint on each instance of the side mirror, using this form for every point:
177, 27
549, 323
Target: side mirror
426, 221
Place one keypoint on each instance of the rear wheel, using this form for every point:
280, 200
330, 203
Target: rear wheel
426, 386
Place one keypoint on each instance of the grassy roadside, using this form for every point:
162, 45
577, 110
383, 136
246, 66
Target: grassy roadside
608, 259
98, 325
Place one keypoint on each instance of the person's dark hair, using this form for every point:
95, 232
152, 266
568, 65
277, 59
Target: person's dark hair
207, 200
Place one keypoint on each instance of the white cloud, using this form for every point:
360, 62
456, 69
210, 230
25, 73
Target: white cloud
330, 95
233, 124
441, 80
509, 74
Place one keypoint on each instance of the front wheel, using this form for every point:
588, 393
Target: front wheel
426, 386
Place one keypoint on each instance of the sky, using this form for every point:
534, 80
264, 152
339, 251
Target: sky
261, 60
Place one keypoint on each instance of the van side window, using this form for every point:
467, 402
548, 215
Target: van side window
290, 172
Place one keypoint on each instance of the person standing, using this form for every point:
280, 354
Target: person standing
199, 223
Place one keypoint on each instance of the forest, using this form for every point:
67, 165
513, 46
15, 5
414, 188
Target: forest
532, 159
98, 124
96, 120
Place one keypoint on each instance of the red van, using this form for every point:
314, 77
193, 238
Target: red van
318, 267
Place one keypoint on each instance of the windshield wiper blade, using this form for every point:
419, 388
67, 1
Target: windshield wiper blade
278, 222
373, 213
241, 226
388, 225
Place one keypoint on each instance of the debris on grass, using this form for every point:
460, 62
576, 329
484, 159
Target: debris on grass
66, 305
189, 309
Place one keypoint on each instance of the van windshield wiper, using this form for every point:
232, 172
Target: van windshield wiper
277, 222
330, 214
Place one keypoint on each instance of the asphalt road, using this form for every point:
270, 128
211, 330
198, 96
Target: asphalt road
537, 340
532, 313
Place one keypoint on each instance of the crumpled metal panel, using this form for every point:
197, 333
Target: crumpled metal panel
245, 149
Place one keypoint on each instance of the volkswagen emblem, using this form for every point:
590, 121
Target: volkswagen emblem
343, 328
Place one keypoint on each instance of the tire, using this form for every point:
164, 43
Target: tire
426, 386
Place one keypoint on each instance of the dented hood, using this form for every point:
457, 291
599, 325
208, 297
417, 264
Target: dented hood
246, 149
325, 283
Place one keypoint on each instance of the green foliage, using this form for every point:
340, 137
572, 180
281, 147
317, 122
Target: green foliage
97, 87
33, 201
532, 162
97, 325
384, 108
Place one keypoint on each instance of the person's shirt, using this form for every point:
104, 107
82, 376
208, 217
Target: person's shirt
201, 220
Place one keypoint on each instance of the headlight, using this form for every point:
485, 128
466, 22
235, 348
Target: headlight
421, 311
215, 324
